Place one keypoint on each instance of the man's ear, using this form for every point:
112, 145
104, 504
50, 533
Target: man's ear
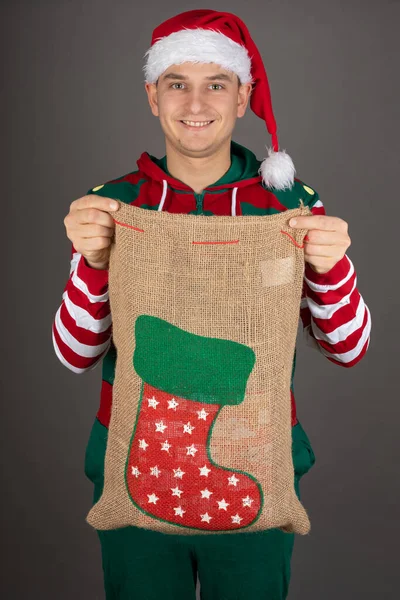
244, 94
151, 90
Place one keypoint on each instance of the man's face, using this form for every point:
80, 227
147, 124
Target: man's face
200, 93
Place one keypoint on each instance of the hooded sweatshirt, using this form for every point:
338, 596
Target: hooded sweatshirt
335, 320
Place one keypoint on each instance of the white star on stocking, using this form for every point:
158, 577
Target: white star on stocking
188, 428
160, 427
236, 519
233, 480
191, 450
202, 414
176, 492
179, 511
205, 493
165, 446
155, 471
178, 473
204, 471
142, 444
222, 504
206, 517
152, 498
135, 472
173, 403
247, 501
153, 402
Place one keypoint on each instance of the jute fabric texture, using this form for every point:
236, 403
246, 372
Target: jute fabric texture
205, 312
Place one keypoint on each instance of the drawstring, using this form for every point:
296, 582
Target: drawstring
233, 208
164, 195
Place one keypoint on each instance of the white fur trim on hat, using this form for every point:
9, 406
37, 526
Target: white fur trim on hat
197, 45
277, 170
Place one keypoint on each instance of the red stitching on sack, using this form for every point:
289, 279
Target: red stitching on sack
130, 226
230, 242
293, 240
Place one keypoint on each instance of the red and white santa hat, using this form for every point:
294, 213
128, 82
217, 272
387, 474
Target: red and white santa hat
207, 36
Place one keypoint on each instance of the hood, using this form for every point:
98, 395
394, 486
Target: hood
242, 172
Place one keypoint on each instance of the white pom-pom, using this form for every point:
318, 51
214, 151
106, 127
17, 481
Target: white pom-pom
277, 170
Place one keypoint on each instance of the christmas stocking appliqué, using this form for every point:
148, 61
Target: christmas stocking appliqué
186, 380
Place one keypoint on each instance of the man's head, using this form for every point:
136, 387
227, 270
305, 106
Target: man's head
197, 45
198, 92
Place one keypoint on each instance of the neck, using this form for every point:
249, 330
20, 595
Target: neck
198, 173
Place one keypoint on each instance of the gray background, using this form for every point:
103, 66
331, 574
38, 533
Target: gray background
75, 115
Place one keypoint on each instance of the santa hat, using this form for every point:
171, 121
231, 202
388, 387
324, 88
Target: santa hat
207, 36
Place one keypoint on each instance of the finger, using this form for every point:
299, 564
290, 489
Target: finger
323, 262
94, 201
91, 231
97, 243
94, 215
316, 222
316, 250
325, 238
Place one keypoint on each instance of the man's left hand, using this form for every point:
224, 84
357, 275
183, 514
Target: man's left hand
326, 241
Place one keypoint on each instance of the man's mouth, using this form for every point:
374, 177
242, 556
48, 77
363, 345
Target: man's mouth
196, 124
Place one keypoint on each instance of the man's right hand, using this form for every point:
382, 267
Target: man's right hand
90, 228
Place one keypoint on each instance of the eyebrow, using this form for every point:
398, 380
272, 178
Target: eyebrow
220, 76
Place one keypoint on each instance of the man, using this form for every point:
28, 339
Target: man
202, 71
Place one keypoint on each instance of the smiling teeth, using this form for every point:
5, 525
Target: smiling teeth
198, 124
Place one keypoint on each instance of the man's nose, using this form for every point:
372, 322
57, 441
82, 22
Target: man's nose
196, 102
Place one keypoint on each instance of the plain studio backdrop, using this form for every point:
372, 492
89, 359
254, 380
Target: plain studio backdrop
76, 115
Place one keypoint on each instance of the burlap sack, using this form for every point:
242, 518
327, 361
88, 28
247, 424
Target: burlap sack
205, 312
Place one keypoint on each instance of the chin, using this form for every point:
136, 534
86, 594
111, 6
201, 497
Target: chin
197, 149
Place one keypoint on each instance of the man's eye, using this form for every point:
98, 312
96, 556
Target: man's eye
214, 84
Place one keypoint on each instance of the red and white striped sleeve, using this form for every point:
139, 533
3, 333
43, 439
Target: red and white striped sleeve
82, 326
335, 318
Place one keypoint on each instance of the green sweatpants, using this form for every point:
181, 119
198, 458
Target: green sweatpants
140, 564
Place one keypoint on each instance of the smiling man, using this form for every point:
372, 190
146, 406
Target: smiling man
201, 73
198, 105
